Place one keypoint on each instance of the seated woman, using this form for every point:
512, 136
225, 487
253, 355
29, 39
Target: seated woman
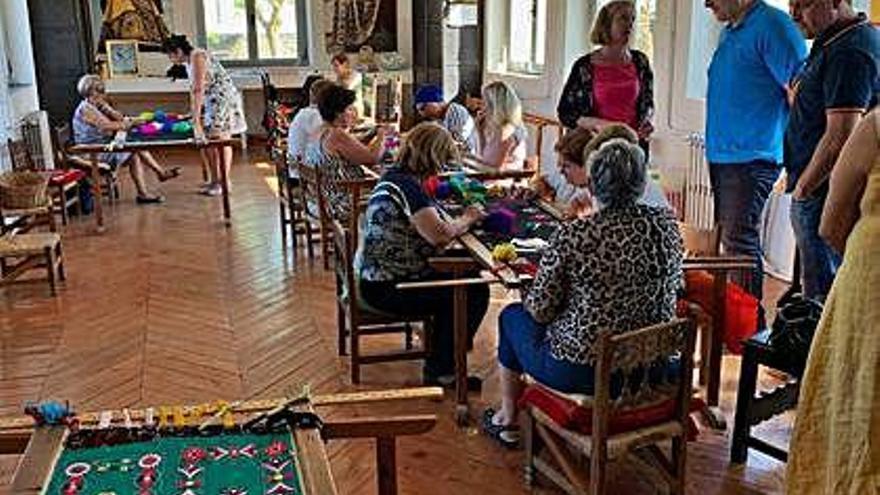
402, 230
305, 129
618, 269
337, 151
501, 130
94, 121
572, 149
453, 116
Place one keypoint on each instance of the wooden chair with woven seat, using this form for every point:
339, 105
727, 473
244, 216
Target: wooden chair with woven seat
291, 209
357, 319
65, 183
20, 253
617, 427
21, 215
317, 219
702, 243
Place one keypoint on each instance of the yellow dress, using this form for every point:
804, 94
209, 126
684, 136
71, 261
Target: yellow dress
835, 448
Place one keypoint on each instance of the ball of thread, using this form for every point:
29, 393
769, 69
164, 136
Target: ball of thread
430, 186
159, 116
146, 116
504, 252
444, 190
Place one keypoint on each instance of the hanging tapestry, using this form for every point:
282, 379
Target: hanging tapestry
133, 20
351, 24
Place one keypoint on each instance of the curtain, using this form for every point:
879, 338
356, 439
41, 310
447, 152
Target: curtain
349, 22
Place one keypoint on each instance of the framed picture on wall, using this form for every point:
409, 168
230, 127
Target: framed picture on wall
122, 58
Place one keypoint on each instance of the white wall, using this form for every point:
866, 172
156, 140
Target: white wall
18, 90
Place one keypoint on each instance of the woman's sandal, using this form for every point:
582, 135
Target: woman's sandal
506, 435
170, 174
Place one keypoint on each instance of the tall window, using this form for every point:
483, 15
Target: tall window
527, 36
255, 32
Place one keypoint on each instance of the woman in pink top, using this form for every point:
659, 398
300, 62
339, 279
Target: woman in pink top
613, 84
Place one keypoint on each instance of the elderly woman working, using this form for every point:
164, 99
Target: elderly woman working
402, 230
94, 121
617, 270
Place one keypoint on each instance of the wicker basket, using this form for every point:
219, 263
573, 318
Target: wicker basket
23, 190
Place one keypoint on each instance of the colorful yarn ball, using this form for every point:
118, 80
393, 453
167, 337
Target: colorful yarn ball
151, 128
168, 126
159, 116
504, 252
146, 116
182, 127
443, 191
430, 186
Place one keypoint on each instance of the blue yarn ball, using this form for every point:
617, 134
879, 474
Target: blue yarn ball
53, 412
168, 126
160, 116
444, 190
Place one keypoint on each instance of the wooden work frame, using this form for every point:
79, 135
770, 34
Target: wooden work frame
122, 59
41, 447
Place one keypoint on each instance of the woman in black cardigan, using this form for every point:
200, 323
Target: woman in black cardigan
613, 84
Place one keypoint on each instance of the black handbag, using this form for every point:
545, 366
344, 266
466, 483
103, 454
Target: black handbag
792, 333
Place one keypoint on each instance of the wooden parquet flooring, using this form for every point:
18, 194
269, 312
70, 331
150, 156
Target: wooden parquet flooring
168, 306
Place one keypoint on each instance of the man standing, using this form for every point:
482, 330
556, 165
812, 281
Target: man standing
837, 85
758, 54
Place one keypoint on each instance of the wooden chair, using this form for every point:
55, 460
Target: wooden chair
20, 253
24, 220
624, 353
540, 124
292, 212
317, 218
356, 319
702, 243
66, 187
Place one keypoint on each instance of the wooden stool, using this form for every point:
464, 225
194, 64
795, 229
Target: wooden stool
752, 410
36, 250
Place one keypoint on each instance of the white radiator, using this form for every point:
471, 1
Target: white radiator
35, 133
699, 209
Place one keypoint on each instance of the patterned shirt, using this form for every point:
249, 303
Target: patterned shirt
460, 124
619, 269
392, 249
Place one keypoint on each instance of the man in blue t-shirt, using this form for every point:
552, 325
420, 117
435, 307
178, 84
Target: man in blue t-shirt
839, 82
758, 54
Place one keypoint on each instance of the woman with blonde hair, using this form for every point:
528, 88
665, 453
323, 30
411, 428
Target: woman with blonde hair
502, 133
614, 83
402, 230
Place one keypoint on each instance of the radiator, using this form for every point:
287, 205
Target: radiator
699, 208
35, 133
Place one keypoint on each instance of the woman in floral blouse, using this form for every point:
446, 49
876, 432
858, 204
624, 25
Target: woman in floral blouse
613, 83
617, 270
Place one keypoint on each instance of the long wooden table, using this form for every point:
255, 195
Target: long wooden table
41, 447
359, 182
123, 145
719, 266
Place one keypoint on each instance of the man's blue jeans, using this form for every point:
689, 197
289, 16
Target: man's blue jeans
741, 191
818, 261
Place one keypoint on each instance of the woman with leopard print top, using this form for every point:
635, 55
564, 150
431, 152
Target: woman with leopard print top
616, 270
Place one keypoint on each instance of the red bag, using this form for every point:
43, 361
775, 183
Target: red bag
741, 315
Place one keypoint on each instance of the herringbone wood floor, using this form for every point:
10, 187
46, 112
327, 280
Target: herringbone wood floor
170, 307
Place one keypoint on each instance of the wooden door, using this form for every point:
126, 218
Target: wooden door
62, 41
